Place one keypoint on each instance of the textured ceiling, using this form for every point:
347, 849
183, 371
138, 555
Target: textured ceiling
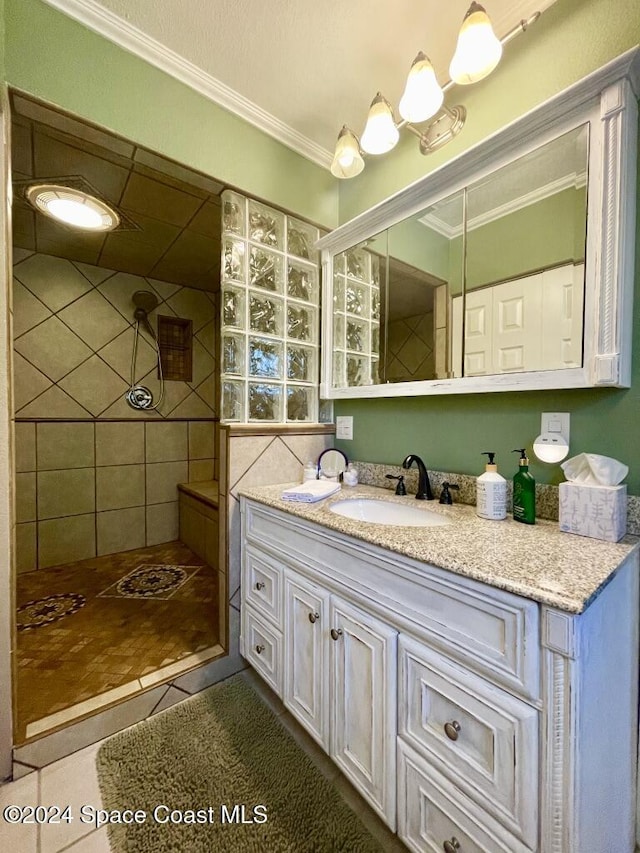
311, 65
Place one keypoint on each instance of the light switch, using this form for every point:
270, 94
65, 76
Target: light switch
344, 427
556, 422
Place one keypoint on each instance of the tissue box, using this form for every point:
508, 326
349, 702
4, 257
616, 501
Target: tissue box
596, 511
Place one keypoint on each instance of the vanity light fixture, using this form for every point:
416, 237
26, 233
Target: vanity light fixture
478, 52
72, 207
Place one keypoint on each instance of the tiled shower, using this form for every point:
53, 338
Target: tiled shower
96, 491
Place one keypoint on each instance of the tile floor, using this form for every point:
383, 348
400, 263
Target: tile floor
111, 640
73, 781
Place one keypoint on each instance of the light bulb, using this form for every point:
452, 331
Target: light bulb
380, 133
478, 50
422, 96
75, 213
347, 160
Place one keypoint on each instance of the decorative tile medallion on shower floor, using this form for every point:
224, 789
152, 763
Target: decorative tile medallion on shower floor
111, 640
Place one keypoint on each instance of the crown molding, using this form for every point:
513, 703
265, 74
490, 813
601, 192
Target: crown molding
95, 17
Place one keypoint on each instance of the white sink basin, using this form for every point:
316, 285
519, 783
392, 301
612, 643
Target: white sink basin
386, 512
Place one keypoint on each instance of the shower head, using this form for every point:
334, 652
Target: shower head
144, 300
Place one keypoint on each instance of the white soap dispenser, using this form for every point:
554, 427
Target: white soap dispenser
491, 492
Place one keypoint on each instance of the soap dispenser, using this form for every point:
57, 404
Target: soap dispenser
524, 491
491, 491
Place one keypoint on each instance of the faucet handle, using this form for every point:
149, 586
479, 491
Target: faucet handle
445, 494
400, 488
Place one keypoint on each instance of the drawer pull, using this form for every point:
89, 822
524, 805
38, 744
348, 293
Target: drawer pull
260, 585
313, 617
452, 730
451, 846
336, 633
259, 649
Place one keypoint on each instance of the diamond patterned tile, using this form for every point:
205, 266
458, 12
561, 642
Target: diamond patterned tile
96, 275
27, 381
27, 310
117, 353
55, 281
194, 305
94, 385
119, 289
203, 364
54, 403
208, 338
192, 407
93, 319
53, 348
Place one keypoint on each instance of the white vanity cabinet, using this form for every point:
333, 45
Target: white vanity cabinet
472, 719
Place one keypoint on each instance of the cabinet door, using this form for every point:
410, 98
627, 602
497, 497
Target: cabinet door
363, 682
307, 655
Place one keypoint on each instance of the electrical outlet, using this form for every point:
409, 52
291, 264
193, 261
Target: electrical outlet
556, 422
344, 427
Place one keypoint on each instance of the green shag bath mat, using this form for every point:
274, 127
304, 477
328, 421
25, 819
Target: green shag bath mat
222, 759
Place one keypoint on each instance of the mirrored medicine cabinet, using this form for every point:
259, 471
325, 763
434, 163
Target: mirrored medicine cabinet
508, 268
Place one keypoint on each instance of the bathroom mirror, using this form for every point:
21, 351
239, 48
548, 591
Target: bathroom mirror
506, 269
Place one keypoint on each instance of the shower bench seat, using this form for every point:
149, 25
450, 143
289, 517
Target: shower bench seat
199, 518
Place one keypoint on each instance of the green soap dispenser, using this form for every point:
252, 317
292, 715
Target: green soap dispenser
524, 492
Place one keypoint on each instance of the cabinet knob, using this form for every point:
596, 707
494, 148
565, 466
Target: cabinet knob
452, 729
336, 633
260, 585
451, 846
313, 617
259, 649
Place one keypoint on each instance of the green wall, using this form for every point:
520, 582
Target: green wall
54, 58
572, 38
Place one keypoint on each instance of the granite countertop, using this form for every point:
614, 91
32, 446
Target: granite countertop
536, 561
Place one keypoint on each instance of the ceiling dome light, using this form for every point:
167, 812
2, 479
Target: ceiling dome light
423, 95
72, 207
478, 50
347, 160
380, 133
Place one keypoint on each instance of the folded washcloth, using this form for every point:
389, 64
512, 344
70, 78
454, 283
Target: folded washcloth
311, 491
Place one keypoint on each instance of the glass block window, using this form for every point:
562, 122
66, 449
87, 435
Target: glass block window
356, 317
270, 315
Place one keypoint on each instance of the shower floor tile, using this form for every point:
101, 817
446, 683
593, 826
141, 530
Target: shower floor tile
108, 642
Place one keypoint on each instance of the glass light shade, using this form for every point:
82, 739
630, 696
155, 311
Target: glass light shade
380, 133
347, 160
73, 207
422, 96
478, 50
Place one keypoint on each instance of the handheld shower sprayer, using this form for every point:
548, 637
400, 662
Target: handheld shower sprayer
139, 396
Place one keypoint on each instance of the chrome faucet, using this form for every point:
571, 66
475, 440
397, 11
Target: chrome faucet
424, 486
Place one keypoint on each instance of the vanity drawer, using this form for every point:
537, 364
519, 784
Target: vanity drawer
263, 585
433, 816
263, 648
482, 738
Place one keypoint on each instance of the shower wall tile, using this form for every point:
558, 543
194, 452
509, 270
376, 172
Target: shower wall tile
27, 310
117, 354
119, 443
93, 319
94, 385
25, 497
28, 382
118, 487
201, 470
26, 547
65, 445
66, 493
162, 523
121, 530
25, 447
54, 403
53, 348
166, 442
65, 540
162, 483
201, 440
55, 281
